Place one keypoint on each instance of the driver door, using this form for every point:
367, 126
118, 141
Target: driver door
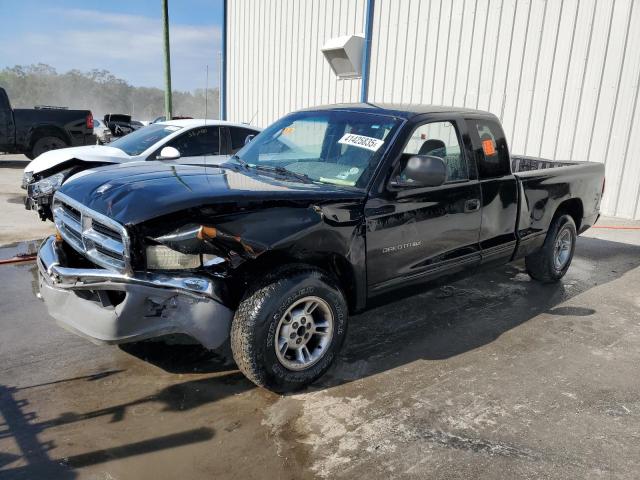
418, 233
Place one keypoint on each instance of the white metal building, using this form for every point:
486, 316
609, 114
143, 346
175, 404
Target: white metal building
563, 75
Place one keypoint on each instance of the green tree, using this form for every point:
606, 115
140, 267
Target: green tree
99, 91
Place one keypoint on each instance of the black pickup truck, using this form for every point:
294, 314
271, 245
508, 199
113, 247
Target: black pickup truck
38, 130
322, 211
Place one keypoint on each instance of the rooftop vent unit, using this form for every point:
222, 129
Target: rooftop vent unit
344, 54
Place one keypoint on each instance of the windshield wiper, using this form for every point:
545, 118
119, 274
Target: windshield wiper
283, 171
239, 160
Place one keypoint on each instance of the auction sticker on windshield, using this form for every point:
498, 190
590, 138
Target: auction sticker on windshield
361, 141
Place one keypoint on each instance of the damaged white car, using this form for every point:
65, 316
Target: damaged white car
194, 142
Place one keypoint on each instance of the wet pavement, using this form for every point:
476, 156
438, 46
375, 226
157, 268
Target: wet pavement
493, 376
17, 223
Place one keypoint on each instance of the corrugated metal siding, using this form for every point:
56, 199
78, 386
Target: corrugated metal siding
274, 60
562, 75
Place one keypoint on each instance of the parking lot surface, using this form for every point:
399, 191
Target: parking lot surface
493, 376
16, 223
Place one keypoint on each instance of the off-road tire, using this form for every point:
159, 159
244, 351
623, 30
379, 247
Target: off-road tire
43, 144
540, 265
254, 325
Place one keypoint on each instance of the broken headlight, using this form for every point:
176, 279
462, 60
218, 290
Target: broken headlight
46, 186
27, 178
160, 257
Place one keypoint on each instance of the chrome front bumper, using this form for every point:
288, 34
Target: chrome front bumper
150, 305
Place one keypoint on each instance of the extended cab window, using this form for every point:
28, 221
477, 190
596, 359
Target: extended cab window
493, 154
198, 142
439, 139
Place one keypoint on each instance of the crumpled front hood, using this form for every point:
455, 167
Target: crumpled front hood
140, 191
88, 153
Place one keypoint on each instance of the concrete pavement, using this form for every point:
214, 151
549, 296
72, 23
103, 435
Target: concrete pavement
16, 223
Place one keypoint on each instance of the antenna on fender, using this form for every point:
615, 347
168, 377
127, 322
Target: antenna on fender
253, 118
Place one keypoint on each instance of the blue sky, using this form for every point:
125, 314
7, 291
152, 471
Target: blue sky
124, 37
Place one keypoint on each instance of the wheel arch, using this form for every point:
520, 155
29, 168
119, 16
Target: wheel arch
572, 207
47, 130
336, 265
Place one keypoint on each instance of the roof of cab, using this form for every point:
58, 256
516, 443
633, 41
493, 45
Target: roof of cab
398, 109
201, 122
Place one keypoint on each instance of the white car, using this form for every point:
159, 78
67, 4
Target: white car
194, 141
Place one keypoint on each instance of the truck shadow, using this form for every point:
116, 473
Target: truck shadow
179, 359
440, 323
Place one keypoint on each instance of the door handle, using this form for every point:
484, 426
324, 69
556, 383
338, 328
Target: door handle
472, 205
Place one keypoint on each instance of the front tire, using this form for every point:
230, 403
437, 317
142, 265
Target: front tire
551, 262
288, 330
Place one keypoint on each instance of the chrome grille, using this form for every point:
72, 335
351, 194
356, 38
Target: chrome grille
101, 239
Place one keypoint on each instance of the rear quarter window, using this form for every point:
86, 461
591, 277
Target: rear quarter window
490, 148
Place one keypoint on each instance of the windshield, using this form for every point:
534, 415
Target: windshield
337, 147
138, 141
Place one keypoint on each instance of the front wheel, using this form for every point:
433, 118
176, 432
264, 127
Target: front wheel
551, 262
287, 332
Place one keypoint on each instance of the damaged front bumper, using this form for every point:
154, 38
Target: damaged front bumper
109, 307
31, 203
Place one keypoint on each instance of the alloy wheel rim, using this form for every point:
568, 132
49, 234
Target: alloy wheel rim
304, 333
562, 249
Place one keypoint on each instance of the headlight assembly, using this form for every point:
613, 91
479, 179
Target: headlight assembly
160, 257
46, 186
194, 246
27, 178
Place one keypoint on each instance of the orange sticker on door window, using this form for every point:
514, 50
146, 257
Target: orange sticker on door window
288, 130
489, 147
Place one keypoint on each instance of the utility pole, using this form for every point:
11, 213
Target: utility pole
206, 95
168, 109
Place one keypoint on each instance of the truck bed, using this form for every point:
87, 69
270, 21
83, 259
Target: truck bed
545, 184
521, 163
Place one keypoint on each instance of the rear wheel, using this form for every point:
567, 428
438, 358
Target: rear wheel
287, 332
44, 144
551, 262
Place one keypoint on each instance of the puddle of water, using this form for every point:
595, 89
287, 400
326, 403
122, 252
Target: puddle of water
29, 247
18, 200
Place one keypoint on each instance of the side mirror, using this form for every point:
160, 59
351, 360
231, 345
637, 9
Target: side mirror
425, 171
168, 153
248, 138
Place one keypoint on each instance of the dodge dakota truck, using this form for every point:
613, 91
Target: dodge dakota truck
321, 212
38, 130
